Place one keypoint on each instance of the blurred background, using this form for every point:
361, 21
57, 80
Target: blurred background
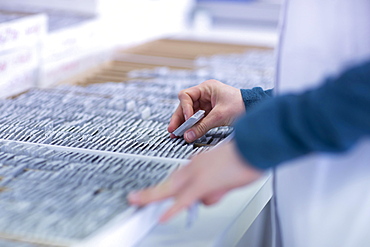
244, 21
172, 44
45, 42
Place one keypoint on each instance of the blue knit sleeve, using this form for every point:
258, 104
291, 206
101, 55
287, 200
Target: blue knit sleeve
255, 95
330, 118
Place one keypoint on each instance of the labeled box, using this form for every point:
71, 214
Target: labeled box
18, 70
54, 72
71, 38
18, 83
21, 29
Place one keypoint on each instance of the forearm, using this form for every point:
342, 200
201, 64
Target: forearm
331, 118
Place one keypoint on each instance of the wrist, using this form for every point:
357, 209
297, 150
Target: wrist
247, 172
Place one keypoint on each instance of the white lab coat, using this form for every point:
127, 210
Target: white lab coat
323, 200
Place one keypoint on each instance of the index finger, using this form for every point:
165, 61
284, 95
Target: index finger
185, 109
166, 189
176, 120
187, 98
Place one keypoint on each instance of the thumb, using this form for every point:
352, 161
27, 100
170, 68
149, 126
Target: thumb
212, 120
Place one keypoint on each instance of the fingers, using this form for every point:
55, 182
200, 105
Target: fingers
187, 99
213, 119
213, 198
188, 103
178, 186
175, 209
183, 201
162, 191
146, 196
189, 195
176, 120
181, 185
198, 182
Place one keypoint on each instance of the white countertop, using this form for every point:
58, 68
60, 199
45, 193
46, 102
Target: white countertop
222, 224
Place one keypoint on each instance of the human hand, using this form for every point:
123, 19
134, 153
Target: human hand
207, 178
222, 103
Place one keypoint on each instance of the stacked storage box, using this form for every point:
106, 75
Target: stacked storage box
20, 43
72, 44
80, 35
125, 22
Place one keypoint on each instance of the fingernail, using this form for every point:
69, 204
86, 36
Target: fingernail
190, 136
186, 117
133, 197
